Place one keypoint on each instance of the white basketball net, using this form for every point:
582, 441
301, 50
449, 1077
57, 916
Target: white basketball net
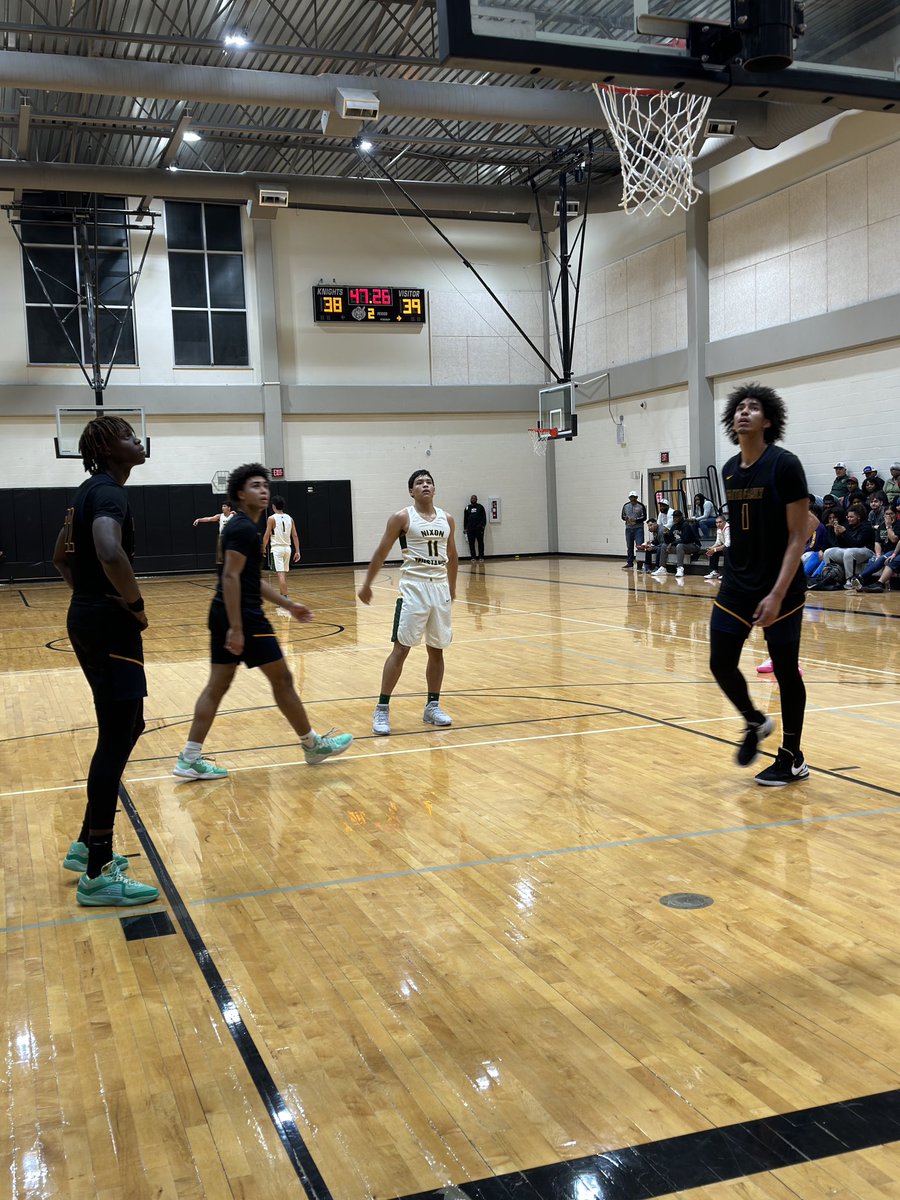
654, 134
538, 443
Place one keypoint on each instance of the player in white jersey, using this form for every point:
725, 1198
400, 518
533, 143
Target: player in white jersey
280, 532
427, 586
223, 518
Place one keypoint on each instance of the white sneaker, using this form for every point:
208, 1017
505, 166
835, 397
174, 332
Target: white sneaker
660, 571
435, 715
679, 572
712, 576
381, 721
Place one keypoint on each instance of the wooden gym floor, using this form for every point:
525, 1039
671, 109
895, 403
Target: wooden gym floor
442, 958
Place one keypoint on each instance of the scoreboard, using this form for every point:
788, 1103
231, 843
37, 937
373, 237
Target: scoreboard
362, 305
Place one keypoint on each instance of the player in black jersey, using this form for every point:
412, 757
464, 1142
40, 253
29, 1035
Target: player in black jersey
93, 553
239, 631
763, 583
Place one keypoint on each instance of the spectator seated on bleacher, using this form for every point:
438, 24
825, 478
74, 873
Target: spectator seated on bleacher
839, 484
687, 543
887, 543
853, 494
876, 506
718, 548
659, 538
854, 546
704, 515
871, 474
892, 487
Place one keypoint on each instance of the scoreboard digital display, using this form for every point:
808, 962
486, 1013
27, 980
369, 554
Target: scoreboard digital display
364, 305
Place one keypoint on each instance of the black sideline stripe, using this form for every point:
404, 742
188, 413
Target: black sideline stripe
279, 1114
697, 1160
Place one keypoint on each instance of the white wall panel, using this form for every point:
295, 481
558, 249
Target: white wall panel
594, 474
490, 456
182, 450
836, 226
837, 408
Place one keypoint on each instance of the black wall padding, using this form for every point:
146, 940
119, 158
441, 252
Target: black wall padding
165, 540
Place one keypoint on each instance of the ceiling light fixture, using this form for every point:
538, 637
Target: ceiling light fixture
235, 39
190, 136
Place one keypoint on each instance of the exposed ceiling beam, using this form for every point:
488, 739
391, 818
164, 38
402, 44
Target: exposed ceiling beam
159, 128
273, 89
170, 153
178, 41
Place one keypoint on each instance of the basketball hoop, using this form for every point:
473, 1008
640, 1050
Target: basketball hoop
654, 134
540, 438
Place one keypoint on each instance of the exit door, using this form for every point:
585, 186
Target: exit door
666, 486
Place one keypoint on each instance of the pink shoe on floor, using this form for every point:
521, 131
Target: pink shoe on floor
766, 668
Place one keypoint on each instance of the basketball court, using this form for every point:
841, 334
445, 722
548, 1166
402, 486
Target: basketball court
563, 949
449, 957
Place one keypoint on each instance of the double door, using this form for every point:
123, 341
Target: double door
665, 485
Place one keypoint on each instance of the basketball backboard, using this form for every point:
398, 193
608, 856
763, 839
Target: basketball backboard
847, 49
70, 423
556, 410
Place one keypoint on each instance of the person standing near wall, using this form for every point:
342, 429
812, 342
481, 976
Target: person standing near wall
94, 553
634, 514
474, 522
281, 530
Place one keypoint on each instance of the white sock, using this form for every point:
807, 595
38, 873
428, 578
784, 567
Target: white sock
309, 739
192, 751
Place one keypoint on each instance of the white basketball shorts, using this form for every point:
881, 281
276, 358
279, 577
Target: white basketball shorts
423, 610
281, 557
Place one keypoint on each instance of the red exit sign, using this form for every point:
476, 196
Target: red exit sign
663, 457
278, 472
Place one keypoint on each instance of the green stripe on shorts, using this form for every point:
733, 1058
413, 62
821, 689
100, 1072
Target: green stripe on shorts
397, 609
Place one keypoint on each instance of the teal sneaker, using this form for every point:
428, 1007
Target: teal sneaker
112, 889
77, 859
200, 768
326, 746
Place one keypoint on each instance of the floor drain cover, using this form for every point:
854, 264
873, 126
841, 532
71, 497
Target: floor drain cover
686, 900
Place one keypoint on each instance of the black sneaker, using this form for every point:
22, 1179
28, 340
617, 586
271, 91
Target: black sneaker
874, 587
749, 747
787, 768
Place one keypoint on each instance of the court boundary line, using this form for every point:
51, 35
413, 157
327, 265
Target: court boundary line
649, 723
280, 1115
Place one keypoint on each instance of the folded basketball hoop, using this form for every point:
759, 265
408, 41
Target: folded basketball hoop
540, 438
654, 133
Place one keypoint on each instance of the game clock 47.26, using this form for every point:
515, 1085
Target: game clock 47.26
366, 305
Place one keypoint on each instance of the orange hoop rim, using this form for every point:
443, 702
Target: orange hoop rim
635, 91
550, 433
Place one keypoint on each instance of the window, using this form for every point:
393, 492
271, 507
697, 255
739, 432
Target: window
64, 249
206, 278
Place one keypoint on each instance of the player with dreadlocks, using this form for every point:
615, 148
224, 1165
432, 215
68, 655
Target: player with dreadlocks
94, 553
